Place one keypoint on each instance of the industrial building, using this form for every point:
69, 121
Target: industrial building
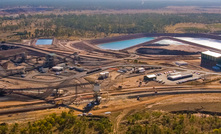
181, 63
150, 77
57, 68
179, 76
79, 69
104, 75
210, 59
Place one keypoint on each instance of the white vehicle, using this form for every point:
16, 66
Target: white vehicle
107, 113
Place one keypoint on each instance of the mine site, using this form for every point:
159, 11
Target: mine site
109, 67
86, 75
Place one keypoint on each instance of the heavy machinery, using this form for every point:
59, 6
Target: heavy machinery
97, 98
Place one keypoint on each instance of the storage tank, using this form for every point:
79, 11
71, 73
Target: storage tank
104, 75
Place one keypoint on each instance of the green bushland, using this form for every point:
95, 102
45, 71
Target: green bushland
195, 30
156, 122
99, 25
66, 123
142, 122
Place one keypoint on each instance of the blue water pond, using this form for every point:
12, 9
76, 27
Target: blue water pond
125, 43
44, 41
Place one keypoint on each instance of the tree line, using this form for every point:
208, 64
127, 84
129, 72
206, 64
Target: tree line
142, 122
66, 123
91, 26
156, 122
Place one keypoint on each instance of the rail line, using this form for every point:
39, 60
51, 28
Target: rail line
130, 96
43, 88
60, 54
30, 48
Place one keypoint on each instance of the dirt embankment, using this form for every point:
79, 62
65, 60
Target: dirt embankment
117, 38
160, 51
82, 46
89, 47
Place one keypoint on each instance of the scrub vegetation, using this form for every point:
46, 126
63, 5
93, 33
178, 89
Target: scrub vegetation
101, 25
143, 122
66, 123
165, 123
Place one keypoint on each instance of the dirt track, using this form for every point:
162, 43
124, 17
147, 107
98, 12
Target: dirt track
127, 106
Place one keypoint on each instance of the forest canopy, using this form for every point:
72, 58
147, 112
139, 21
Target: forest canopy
98, 25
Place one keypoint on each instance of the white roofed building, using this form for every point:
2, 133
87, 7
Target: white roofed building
210, 59
150, 77
57, 68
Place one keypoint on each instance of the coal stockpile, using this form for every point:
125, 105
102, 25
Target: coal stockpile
157, 51
159, 45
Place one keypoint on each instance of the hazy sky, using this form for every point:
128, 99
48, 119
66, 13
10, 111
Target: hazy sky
108, 0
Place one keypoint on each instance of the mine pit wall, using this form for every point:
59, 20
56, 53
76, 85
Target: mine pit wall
140, 35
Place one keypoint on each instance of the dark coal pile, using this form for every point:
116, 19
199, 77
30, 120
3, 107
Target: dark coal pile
158, 51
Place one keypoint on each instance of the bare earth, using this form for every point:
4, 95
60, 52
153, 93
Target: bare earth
171, 102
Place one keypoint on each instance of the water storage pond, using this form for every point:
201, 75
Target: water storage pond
204, 42
44, 42
118, 45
